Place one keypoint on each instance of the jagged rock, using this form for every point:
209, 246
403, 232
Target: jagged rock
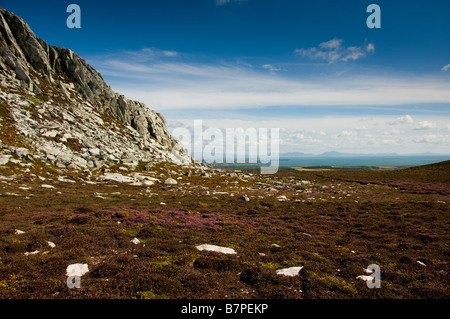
81, 122
21, 151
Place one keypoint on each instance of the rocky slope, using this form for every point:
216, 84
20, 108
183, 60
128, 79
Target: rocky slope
56, 110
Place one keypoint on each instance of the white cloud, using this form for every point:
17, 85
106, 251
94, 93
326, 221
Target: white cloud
425, 125
270, 67
301, 134
148, 54
168, 80
224, 2
445, 68
407, 119
334, 51
345, 134
433, 139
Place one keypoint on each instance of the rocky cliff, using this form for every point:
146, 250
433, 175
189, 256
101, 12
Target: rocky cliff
54, 107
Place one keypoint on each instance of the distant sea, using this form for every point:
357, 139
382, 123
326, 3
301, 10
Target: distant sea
361, 160
356, 160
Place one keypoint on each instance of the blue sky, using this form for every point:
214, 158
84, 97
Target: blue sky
311, 68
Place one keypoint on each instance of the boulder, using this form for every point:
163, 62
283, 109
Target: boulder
170, 181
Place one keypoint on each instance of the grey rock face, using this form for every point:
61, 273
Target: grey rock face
37, 67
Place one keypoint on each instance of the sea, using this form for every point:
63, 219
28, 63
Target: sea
353, 160
364, 160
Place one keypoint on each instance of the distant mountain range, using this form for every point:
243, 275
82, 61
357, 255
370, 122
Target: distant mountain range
338, 154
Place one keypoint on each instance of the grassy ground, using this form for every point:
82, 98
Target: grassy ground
335, 226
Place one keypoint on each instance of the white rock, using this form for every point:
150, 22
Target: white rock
4, 159
117, 178
51, 134
170, 181
94, 151
77, 270
291, 272
223, 250
19, 232
47, 186
421, 263
52, 245
365, 278
31, 253
135, 241
21, 151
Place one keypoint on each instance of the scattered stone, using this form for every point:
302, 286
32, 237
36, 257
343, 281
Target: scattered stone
170, 181
222, 250
116, 177
31, 253
19, 232
365, 278
135, 241
48, 186
244, 198
421, 263
290, 272
4, 159
52, 245
77, 270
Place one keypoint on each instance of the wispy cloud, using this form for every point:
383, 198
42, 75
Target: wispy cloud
169, 80
148, 54
224, 2
445, 68
334, 51
270, 67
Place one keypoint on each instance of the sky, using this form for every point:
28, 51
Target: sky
313, 69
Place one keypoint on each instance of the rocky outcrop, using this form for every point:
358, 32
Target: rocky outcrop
67, 109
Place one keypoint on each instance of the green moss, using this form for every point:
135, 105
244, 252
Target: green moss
33, 100
151, 295
338, 284
164, 261
4, 110
271, 265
